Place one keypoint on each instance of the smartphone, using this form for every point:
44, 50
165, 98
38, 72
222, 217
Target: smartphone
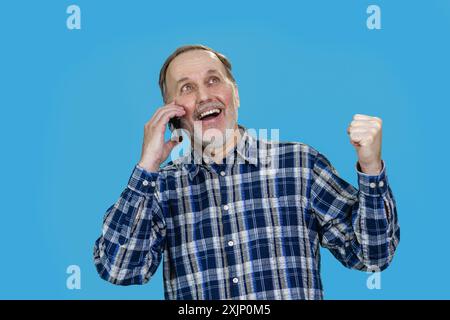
174, 123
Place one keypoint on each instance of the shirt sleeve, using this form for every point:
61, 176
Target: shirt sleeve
130, 247
359, 227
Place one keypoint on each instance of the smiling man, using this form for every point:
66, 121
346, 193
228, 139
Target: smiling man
241, 217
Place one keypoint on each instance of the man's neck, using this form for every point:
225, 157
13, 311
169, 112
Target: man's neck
219, 153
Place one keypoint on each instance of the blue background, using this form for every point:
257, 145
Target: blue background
74, 102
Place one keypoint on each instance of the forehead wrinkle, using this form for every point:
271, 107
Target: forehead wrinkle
200, 59
210, 71
190, 65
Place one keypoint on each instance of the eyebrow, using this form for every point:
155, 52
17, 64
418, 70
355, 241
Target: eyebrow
182, 80
210, 71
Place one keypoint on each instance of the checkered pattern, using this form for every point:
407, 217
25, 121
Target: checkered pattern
247, 229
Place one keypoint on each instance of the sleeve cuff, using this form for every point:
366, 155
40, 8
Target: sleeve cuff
143, 181
372, 185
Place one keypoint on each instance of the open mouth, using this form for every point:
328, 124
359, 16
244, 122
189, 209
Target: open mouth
209, 114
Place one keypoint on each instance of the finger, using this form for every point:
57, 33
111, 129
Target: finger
174, 102
160, 125
352, 128
165, 109
361, 138
168, 107
359, 123
361, 130
359, 116
373, 128
357, 136
169, 145
165, 117
363, 117
366, 141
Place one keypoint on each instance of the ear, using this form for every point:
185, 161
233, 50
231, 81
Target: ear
236, 91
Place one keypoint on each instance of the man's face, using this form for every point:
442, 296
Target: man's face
197, 81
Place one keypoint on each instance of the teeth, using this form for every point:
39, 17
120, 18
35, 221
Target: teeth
207, 113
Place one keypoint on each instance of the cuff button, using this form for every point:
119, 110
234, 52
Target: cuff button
153, 183
372, 185
145, 183
381, 184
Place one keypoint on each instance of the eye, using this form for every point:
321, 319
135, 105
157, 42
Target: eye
213, 80
186, 88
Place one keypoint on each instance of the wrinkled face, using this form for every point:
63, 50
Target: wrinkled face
197, 81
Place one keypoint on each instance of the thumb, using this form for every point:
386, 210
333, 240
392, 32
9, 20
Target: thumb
172, 143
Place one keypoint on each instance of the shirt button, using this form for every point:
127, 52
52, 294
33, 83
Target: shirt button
230, 243
381, 184
372, 185
235, 280
153, 184
145, 183
222, 173
225, 207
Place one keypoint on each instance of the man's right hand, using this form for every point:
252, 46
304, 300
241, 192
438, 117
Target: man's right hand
154, 149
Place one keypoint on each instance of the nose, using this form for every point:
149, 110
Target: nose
203, 95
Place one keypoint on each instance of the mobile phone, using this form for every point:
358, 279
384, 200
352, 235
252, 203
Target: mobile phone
174, 123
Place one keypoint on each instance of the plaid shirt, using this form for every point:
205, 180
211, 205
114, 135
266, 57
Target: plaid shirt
250, 228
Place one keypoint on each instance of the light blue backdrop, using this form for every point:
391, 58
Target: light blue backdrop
73, 105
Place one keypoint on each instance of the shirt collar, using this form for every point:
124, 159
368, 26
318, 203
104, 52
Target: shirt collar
245, 152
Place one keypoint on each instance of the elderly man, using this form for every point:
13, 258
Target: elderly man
241, 217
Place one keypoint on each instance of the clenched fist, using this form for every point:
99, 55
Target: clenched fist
365, 136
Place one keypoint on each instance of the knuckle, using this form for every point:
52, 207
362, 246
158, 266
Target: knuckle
377, 125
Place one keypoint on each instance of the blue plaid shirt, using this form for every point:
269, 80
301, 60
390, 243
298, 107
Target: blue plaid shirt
250, 228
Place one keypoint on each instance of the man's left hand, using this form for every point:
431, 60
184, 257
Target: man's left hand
365, 136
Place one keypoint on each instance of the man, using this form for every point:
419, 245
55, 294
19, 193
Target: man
241, 217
